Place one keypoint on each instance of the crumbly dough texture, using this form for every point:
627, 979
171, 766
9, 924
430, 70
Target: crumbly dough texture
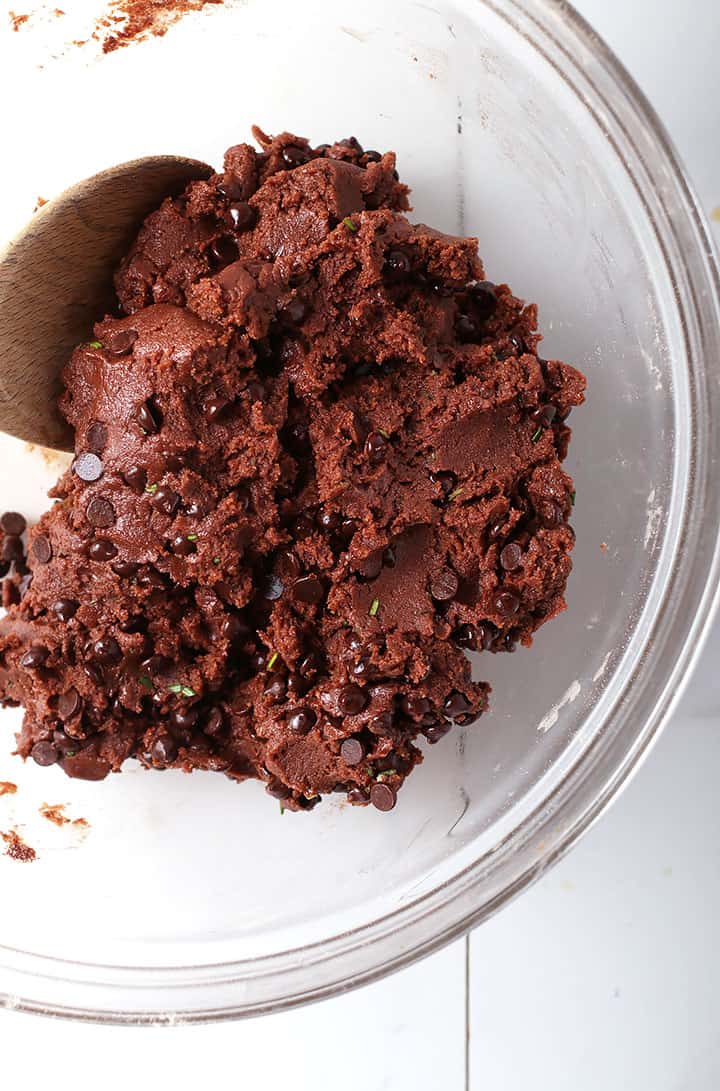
317, 458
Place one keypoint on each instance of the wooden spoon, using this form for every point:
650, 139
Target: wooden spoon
56, 281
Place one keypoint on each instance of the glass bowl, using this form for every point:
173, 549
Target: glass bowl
190, 898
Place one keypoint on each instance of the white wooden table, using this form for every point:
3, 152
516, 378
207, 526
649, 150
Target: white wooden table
604, 974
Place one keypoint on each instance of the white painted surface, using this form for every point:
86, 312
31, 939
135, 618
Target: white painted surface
602, 976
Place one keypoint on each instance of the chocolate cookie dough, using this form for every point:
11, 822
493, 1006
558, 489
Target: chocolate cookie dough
317, 458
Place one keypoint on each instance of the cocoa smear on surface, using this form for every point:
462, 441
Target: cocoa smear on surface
16, 847
7, 788
136, 20
17, 20
55, 813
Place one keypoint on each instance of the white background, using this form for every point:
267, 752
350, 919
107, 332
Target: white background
605, 974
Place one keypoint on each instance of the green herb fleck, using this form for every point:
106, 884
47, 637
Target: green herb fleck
176, 687
272, 661
383, 433
374, 607
572, 497
145, 682
70, 753
386, 774
151, 488
456, 492
216, 560
282, 809
536, 435
187, 691
191, 537
95, 344
349, 224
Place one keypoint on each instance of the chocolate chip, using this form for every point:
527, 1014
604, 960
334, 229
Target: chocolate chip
288, 565
294, 312
414, 706
352, 751
184, 718
231, 188
511, 556
225, 250
136, 479
358, 795
13, 523
100, 512
102, 550
34, 657
164, 750
382, 724
361, 669
353, 143
87, 467
309, 589
466, 636
234, 628
213, 407
107, 650
63, 741
328, 520
44, 753
65, 609
295, 156
370, 156
148, 418
308, 665
544, 415
297, 685
274, 588
436, 731
181, 546
94, 673
444, 585
351, 699
276, 690
120, 342
12, 548
507, 603
456, 704
382, 796
376, 447
242, 215
397, 264
445, 479
466, 328
301, 721
549, 514
214, 722
483, 298
96, 438
69, 704
348, 527
165, 500
497, 527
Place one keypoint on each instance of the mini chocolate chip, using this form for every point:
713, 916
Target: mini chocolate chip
87, 467
102, 550
278, 790
44, 753
353, 143
294, 312
13, 523
445, 479
136, 479
466, 636
361, 669
309, 589
351, 699
301, 721
436, 731
295, 156
456, 704
96, 438
184, 718
511, 556
276, 690
165, 500
414, 706
34, 657
544, 415
94, 673
274, 588
69, 704
181, 546
308, 665
497, 527
214, 722
358, 795
549, 514
444, 585
483, 299
234, 628
507, 603
376, 446
225, 250
288, 565
119, 342
164, 750
230, 188
213, 407
466, 328
382, 724
397, 264
370, 156
12, 548
65, 609
243, 215
148, 418
297, 685
125, 569
328, 520
382, 796
63, 741
107, 650
352, 751
100, 512
348, 527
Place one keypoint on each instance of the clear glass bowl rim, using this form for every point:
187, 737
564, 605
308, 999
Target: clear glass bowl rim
113, 994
